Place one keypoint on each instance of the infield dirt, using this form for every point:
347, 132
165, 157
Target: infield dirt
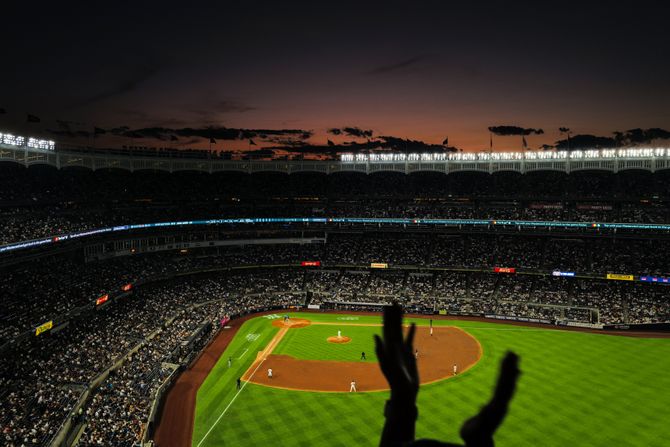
437, 355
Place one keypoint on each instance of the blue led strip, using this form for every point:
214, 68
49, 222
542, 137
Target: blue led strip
349, 220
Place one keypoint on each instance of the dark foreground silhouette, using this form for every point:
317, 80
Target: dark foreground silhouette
398, 363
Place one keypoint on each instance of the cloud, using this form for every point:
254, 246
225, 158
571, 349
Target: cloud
210, 112
514, 130
641, 136
412, 146
383, 69
218, 133
356, 132
69, 133
142, 74
585, 141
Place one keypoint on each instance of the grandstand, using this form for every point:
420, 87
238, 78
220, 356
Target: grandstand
115, 277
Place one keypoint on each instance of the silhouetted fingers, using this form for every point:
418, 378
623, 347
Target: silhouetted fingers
379, 349
409, 342
509, 374
392, 325
478, 431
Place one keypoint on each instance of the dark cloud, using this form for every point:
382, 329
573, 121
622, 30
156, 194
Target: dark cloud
210, 112
140, 75
69, 133
383, 69
352, 132
218, 133
564, 129
514, 130
640, 136
286, 141
585, 142
232, 106
358, 132
412, 146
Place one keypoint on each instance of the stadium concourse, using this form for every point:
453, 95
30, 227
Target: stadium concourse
94, 329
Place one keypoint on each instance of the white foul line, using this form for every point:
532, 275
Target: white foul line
242, 355
229, 404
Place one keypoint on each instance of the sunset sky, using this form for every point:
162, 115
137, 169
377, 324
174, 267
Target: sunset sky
413, 70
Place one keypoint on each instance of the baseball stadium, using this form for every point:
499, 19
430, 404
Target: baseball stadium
237, 330
307, 224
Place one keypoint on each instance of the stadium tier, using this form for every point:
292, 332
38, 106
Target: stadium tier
115, 309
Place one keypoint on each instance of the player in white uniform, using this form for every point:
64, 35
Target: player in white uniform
455, 369
269, 373
352, 388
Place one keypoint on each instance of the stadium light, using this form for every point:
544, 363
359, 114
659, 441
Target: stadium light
609, 153
31, 142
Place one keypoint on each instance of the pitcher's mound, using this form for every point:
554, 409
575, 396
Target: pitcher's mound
342, 339
291, 322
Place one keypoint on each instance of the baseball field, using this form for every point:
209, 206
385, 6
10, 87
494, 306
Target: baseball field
576, 387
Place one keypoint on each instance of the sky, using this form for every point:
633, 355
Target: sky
422, 71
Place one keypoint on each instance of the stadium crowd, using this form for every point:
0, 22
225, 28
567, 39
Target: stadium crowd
40, 202
153, 321
30, 299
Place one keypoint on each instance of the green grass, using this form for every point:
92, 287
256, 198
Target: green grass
310, 343
576, 389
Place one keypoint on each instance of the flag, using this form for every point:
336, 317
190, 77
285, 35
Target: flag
33, 119
330, 143
251, 142
212, 141
523, 142
445, 142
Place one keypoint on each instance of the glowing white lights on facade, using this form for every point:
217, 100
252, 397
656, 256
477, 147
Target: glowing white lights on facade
502, 156
33, 143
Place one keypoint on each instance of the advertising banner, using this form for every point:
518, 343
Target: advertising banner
44, 327
619, 277
379, 265
102, 300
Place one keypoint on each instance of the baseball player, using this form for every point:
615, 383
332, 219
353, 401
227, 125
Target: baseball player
455, 369
416, 353
230, 362
363, 355
269, 373
352, 388
239, 383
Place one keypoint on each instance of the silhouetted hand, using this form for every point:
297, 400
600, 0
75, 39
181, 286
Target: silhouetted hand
397, 362
396, 356
478, 431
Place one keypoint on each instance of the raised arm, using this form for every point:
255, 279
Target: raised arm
397, 362
478, 431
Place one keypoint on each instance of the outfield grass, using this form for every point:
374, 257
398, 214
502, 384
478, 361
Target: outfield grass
576, 388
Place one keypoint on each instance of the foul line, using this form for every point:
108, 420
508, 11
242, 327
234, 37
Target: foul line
260, 359
229, 404
242, 355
